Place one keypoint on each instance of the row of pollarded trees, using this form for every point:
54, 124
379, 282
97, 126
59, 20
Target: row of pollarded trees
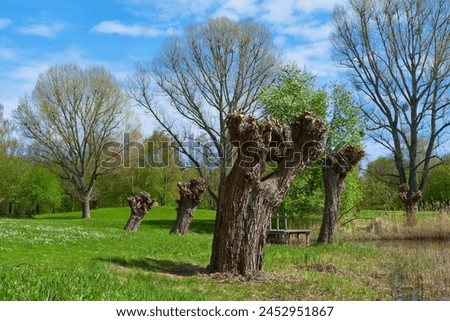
191, 194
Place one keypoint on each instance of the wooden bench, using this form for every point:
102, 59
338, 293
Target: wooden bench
279, 233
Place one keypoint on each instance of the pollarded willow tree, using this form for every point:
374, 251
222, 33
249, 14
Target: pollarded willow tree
294, 93
206, 74
191, 194
335, 169
69, 117
139, 205
397, 53
248, 196
342, 152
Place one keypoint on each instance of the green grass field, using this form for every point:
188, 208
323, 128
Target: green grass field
61, 257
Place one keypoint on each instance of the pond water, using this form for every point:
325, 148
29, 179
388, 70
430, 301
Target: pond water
421, 269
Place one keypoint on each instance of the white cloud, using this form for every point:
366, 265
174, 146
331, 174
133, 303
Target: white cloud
24, 76
237, 9
278, 12
4, 22
170, 12
308, 6
308, 30
17, 83
134, 30
43, 30
27, 74
21, 79
7, 54
315, 57
186, 7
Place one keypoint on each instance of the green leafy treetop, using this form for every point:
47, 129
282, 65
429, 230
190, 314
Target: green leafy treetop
295, 92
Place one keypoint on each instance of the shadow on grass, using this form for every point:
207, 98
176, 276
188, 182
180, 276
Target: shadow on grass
199, 227
159, 266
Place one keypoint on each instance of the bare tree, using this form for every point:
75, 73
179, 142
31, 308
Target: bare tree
206, 74
398, 55
70, 115
249, 196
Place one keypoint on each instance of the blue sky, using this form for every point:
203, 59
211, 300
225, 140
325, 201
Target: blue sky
35, 34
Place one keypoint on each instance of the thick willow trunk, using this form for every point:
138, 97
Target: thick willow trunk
334, 173
191, 195
411, 210
247, 199
411, 202
139, 205
334, 186
241, 228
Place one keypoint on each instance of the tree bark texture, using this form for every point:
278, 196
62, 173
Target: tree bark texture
191, 195
247, 198
334, 172
139, 205
411, 201
85, 209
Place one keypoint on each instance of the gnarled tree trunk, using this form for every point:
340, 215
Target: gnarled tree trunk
85, 209
411, 201
334, 170
247, 199
191, 195
139, 205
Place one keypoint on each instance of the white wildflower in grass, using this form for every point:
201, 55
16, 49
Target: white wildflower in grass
49, 234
